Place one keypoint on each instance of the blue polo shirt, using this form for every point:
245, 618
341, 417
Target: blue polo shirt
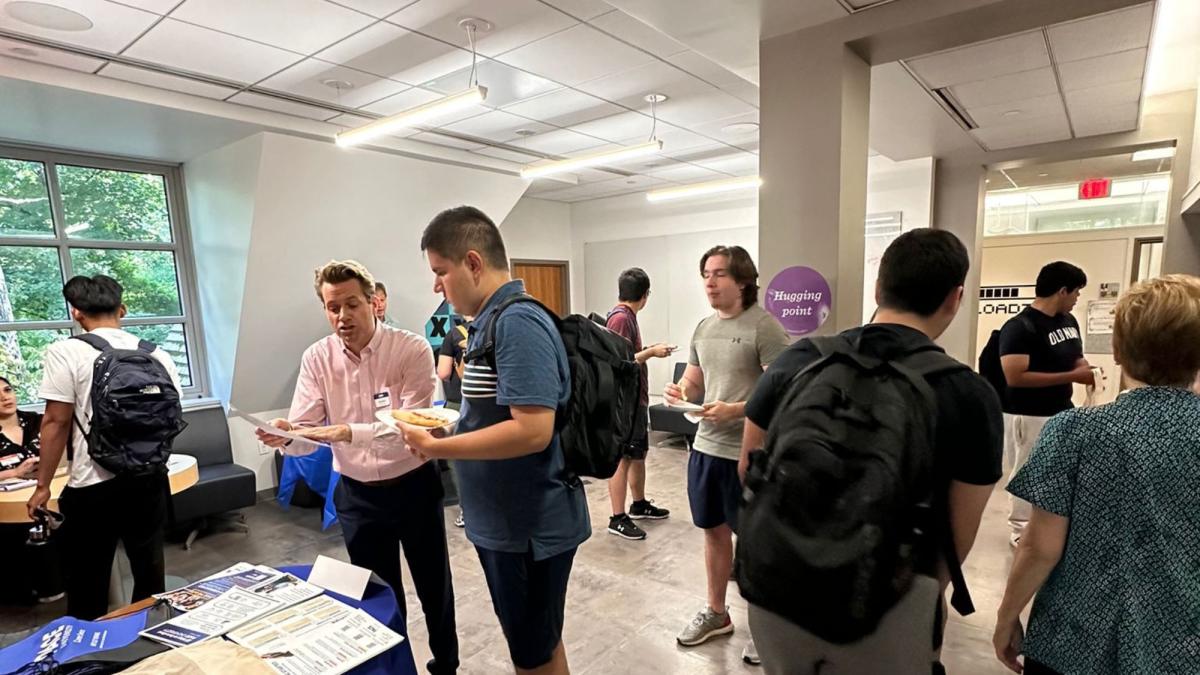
515, 505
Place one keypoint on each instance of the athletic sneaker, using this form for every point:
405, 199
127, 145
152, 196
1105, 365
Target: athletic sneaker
750, 654
707, 624
623, 527
458, 520
645, 509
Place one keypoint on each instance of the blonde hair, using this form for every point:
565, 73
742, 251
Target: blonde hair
1156, 335
338, 271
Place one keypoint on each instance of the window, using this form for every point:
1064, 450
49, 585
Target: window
1134, 201
62, 215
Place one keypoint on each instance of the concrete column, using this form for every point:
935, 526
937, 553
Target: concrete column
958, 189
815, 98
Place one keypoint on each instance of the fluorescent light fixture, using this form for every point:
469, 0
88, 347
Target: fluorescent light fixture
597, 159
712, 187
413, 116
1154, 153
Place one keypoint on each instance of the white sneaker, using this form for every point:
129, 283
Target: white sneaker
750, 654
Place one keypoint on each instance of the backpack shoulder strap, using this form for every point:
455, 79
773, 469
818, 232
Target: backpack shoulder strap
487, 350
146, 347
98, 343
930, 360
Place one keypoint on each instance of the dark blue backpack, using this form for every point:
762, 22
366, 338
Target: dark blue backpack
136, 411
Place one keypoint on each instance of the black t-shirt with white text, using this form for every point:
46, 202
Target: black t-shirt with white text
1053, 345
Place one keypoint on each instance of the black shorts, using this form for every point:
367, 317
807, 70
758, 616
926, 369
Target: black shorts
529, 597
639, 441
714, 490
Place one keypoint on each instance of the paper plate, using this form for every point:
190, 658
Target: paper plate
450, 415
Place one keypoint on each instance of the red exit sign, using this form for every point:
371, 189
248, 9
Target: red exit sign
1095, 188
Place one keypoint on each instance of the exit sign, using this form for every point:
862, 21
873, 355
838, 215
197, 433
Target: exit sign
1095, 188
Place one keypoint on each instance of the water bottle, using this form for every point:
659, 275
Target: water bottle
43, 556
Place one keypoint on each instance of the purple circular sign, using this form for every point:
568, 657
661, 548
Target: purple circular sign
800, 298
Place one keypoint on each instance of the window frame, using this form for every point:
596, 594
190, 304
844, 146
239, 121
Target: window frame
180, 245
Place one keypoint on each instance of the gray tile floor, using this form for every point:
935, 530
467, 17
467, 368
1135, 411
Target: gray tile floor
627, 600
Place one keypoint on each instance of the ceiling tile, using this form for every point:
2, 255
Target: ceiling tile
616, 127
496, 125
1114, 93
1101, 70
308, 79
715, 129
113, 26
1001, 113
507, 155
699, 107
1029, 132
559, 142
983, 60
376, 8
350, 120
1092, 121
672, 137
199, 50
576, 55
514, 22
164, 81
303, 26
1104, 34
717, 75
735, 164
681, 172
505, 84
584, 10
638, 34
411, 98
563, 108
446, 141
1027, 84
702, 153
629, 88
157, 6
50, 57
279, 105
390, 51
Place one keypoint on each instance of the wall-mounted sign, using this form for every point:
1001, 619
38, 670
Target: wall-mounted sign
800, 298
1005, 300
1110, 289
1095, 188
439, 324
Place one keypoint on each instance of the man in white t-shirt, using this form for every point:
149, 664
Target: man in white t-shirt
98, 508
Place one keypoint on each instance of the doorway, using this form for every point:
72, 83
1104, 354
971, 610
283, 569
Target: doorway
547, 280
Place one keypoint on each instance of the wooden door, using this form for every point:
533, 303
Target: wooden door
546, 280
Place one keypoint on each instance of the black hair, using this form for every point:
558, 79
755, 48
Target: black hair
455, 232
919, 269
1057, 276
741, 268
633, 285
94, 296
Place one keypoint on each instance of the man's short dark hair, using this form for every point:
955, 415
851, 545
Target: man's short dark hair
94, 296
380, 288
919, 269
454, 232
741, 268
633, 285
1057, 276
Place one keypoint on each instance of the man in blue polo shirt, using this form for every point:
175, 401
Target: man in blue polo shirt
524, 517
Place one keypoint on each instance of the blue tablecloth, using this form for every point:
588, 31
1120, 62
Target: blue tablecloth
380, 603
316, 471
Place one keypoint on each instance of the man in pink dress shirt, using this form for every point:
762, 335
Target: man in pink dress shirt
388, 499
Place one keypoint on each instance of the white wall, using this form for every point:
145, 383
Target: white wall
1105, 256
537, 229
906, 187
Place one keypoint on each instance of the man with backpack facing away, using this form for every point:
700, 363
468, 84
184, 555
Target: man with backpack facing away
118, 487
1041, 356
729, 352
880, 454
524, 513
633, 292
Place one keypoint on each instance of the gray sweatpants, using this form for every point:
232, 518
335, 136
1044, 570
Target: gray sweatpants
901, 645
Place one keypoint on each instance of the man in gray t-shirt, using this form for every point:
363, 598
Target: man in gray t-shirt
729, 352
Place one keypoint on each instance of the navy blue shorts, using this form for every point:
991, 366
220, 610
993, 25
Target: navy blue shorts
529, 597
714, 490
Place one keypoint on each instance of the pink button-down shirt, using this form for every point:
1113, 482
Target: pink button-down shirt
337, 387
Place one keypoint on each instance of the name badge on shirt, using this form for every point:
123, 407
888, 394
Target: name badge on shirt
383, 401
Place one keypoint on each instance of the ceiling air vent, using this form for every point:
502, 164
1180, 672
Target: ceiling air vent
956, 110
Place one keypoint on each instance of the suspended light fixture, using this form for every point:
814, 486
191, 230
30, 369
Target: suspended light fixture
650, 147
472, 96
699, 189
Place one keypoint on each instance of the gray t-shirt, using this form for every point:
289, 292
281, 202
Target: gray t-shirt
732, 354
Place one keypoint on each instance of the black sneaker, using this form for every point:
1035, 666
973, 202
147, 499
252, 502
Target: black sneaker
646, 509
625, 528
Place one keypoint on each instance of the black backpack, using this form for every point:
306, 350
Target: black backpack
989, 360
842, 507
598, 420
136, 411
